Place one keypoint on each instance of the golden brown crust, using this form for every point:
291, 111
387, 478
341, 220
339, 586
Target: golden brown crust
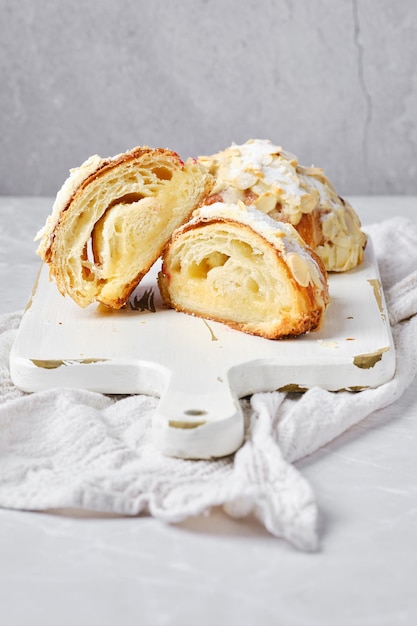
308, 227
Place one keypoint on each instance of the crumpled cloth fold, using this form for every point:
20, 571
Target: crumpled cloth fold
71, 448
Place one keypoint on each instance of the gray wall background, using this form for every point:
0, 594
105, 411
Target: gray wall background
333, 81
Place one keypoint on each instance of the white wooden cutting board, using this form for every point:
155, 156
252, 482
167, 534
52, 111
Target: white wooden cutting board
200, 368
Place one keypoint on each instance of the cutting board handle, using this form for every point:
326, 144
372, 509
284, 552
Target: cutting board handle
199, 420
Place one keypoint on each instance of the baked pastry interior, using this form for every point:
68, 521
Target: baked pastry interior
235, 265
112, 218
264, 175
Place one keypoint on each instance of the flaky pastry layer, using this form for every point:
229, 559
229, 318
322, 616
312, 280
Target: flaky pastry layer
112, 218
232, 264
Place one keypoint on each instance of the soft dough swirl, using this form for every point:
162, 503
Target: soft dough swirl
112, 218
235, 265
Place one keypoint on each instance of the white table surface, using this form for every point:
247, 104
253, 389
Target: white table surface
63, 568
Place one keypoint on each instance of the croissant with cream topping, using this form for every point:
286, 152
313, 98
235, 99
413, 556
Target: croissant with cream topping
112, 218
232, 264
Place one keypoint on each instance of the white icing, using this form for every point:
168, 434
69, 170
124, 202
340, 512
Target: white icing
261, 166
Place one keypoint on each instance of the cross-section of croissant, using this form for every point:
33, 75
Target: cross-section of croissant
112, 218
233, 264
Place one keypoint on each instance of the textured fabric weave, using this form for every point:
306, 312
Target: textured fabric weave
78, 449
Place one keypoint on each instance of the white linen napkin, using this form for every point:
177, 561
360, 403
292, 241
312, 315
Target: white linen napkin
78, 449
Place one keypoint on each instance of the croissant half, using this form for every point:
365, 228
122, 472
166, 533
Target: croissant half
112, 218
232, 264
263, 174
